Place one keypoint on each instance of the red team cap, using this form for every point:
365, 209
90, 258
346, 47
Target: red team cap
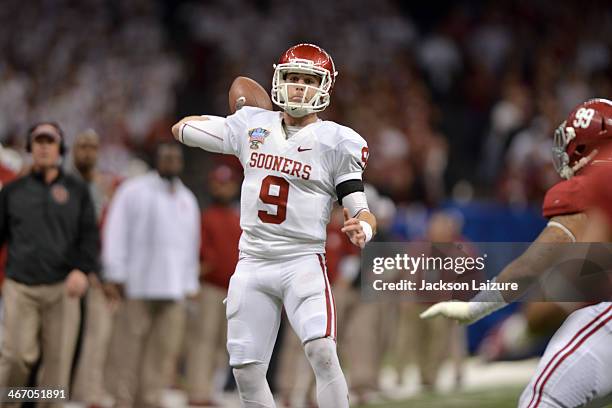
222, 174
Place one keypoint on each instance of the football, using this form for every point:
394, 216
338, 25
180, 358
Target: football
247, 92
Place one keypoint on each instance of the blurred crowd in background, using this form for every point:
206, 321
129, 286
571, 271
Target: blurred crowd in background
457, 100
88, 64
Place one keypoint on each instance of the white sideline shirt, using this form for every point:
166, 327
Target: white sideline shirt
151, 239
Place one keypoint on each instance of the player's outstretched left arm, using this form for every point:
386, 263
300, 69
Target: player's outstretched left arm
360, 229
524, 270
465, 312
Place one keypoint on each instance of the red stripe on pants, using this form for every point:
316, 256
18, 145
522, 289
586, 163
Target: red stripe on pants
582, 330
328, 328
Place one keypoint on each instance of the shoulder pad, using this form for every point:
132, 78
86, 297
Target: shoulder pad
566, 197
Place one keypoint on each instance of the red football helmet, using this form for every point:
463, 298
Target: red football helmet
304, 59
585, 133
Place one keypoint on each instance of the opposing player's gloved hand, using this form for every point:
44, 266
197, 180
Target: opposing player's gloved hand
481, 305
459, 311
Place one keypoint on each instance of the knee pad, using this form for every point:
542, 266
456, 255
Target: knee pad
321, 354
332, 391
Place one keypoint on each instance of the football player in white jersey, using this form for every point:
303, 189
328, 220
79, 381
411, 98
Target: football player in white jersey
295, 167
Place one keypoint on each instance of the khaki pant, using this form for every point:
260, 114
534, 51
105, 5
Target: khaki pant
295, 382
359, 338
144, 347
205, 342
38, 319
428, 343
89, 379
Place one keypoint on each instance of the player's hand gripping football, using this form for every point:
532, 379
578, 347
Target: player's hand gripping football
354, 230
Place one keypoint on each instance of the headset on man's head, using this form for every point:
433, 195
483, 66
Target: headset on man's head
56, 126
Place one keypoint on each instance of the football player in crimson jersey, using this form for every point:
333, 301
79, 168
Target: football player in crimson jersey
295, 167
575, 368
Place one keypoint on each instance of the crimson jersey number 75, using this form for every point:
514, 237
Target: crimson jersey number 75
279, 200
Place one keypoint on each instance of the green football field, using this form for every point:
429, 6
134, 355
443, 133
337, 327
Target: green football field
505, 397
502, 397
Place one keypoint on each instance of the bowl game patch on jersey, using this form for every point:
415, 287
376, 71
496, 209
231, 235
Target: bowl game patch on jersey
257, 136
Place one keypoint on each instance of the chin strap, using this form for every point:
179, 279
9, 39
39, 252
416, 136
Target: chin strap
297, 112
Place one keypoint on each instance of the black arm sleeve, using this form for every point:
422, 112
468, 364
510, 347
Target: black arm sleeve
89, 237
347, 187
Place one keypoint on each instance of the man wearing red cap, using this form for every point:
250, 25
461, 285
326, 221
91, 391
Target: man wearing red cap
219, 255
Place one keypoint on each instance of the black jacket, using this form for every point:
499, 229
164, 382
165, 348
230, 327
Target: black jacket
50, 228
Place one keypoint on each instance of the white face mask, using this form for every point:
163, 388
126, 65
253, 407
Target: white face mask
319, 101
562, 137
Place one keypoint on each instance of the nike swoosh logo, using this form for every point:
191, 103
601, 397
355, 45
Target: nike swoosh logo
303, 150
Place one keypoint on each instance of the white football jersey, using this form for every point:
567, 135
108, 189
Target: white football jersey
289, 185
